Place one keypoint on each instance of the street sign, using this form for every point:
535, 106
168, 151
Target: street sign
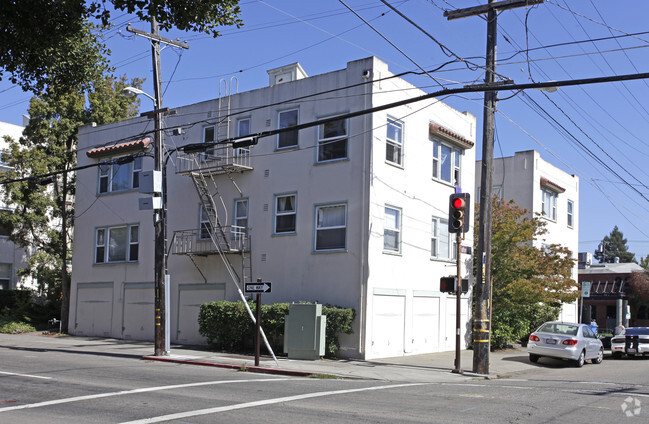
258, 287
585, 289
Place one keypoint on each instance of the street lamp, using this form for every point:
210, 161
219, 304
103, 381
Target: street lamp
131, 92
161, 286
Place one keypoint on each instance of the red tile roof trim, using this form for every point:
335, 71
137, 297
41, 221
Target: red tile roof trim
131, 146
552, 186
450, 135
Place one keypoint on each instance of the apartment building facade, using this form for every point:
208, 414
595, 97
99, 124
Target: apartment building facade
547, 192
352, 212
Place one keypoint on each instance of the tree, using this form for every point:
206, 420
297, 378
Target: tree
43, 216
644, 262
637, 290
529, 283
45, 42
614, 246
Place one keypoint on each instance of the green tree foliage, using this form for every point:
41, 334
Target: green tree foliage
644, 262
45, 42
637, 288
43, 215
528, 281
614, 246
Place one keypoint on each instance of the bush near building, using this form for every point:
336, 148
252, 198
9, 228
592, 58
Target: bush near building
21, 311
227, 325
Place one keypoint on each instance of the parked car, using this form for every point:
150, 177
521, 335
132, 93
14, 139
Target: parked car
605, 335
565, 340
632, 341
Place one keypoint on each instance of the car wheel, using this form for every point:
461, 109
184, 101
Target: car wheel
581, 359
534, 358
599, 358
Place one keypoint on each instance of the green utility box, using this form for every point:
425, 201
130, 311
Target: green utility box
304, 331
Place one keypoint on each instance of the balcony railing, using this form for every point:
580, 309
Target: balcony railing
230, 239
216, 160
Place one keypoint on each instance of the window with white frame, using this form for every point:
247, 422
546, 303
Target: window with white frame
5, 276
331, 227
549, 204
285, 213
117, 244
571, 207
440, 243
206, 217
394, 142
332, 141
120, 177
240, 217
446, 162
243, 129
392, 230
287, 119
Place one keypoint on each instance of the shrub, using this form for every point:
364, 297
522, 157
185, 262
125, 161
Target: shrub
227, 326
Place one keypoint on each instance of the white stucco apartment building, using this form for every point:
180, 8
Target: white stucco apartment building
541, 188
12, 257
351, 213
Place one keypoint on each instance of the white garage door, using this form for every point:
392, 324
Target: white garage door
388, 323
425, 324
138, 320
451, 325
190, 299
94, 309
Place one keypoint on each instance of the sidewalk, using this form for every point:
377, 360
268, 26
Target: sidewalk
416, 368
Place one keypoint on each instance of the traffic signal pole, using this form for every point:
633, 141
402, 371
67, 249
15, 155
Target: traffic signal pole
458, 304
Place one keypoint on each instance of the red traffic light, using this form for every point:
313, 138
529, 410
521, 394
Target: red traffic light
458, 213
458, 203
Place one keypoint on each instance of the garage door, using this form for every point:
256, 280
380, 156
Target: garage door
94, 309
450, 324
190, 299
388, 323
137, 319
425, 324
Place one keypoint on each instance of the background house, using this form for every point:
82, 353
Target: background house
12, 257
541, 188
351, 213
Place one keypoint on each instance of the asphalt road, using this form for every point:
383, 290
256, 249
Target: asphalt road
48, 386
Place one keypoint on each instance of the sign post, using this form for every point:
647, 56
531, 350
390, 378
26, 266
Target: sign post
585, 292
259, 287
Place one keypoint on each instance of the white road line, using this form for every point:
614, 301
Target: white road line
198, 412
25, 375
130, 392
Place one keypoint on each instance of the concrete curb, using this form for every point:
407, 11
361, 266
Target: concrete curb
261, 370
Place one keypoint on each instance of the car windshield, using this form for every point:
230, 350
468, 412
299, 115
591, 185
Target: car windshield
637, 331
558, 328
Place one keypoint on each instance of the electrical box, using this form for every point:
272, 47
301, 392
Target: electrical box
151, 182
304, 331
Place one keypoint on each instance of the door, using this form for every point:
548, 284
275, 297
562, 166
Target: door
138, 314
190, 299
94, 309
425, 324
388, 325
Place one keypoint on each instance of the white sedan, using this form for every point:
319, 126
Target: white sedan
564, 340
632, 341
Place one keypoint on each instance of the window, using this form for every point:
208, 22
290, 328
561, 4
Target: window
287, 118
549, 204
285, 214
394, 142
332, 141
571, 206
331, 227
392, 230
209, 136
240, 218
120, 177
117, 244
440, 245
206, 218
243, 129
446, 163
5, 276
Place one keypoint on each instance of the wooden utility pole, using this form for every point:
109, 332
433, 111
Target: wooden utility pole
160, 215
482, 292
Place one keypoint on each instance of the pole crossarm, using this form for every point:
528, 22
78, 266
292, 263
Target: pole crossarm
156, 37
486, 8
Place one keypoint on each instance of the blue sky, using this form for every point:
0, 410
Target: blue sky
598, 132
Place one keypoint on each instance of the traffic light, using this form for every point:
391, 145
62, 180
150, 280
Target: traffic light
244, 142
448, 285
458, 212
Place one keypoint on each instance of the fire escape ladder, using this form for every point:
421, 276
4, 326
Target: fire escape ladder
217, 232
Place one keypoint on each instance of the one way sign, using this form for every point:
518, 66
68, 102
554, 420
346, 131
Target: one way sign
258, 287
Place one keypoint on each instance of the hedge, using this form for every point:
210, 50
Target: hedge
227, 325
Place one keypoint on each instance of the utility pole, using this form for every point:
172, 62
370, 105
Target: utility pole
482, 292
160, 214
